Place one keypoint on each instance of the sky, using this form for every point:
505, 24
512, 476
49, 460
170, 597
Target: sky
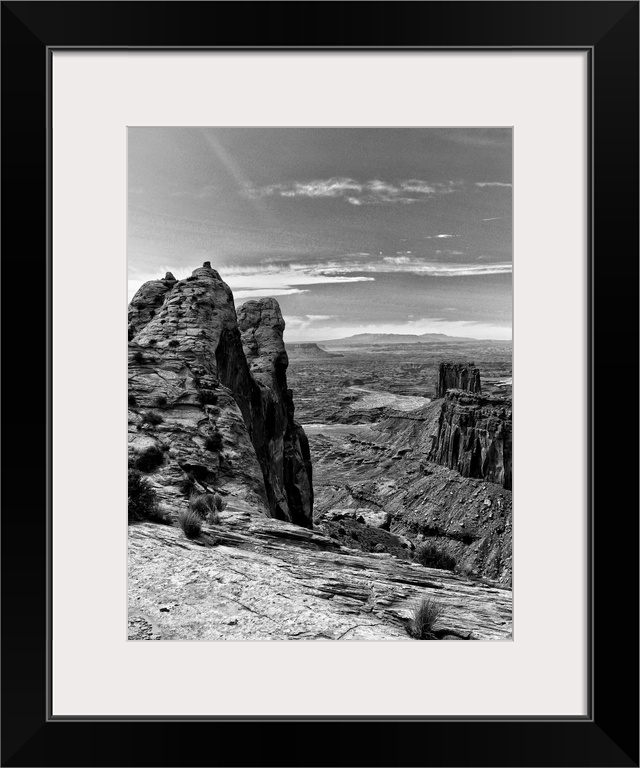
352, 230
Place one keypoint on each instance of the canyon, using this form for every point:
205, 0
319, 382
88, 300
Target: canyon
337, 465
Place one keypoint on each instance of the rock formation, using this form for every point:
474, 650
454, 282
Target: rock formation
195, 401
458, 376
474, 436
311, 350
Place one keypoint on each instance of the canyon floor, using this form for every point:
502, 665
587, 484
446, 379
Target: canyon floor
369, 414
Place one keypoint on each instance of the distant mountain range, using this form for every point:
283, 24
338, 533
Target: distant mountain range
367, 339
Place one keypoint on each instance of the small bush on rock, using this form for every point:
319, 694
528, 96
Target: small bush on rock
219, 503
174, 343
213, 442
190, 522
206, 397
152, 418
203, 504
430, 556
424, 619
187, 485
143, 500
160, 401
138, 357
132, 401
149, 459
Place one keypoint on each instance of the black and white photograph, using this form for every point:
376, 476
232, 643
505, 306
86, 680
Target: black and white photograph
319, 383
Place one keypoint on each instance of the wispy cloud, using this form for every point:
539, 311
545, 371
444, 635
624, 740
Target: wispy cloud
413, 265
494, 218
299, 323
257, 293
438, 237
492, 184
371, 192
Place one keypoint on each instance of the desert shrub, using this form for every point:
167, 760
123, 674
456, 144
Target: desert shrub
213, 442
174, 343
191, 278
152, 342
187, 485
190, 522
149, 459
143, 500
160, 401
132, 400
430, 556
203, 504
424, 619
219, 503
138, 357
206, 397
152, 418
208, 506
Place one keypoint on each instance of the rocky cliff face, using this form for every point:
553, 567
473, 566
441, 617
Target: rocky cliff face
474, 436
458, 376
209, 405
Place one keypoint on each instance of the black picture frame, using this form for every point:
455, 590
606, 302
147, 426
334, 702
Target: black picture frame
608, 736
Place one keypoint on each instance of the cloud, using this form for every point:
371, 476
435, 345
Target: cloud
492, 184
410, 264
285, 279
299, 323
438, 237
255, 280
494, 218
371, 192
261, 292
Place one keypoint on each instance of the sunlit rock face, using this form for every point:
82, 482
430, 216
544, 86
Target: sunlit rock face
219, 419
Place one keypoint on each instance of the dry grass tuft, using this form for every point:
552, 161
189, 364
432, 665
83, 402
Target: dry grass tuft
424, 620
190, 522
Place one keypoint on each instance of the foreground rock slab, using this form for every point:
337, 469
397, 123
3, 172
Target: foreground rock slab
254, 578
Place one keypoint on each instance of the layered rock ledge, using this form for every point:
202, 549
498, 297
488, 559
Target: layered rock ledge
250, 578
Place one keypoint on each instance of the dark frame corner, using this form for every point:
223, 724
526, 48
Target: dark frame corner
609, 737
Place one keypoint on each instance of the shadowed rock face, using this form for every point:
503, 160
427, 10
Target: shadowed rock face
474, 436
224, 423
280, 442
458, 376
